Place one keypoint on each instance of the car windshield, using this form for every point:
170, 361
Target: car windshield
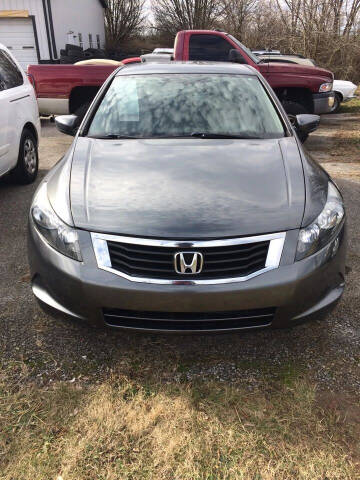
183, 105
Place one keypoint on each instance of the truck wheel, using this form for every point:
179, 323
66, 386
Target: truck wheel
337, 103
81, 111
28, 161
292, 109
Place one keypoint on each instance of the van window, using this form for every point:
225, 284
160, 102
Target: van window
10, 75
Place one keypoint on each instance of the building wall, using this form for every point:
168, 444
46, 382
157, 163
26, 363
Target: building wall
34, 7
78, 16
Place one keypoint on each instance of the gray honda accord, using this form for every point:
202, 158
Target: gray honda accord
186, 203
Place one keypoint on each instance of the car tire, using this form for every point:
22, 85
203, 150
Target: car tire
292, 109
337, 103
81, 110
27, 166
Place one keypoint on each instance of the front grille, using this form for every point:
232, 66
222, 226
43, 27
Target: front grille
157, 262
199, 321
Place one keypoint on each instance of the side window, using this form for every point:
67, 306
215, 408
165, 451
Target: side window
211, 48
10, 75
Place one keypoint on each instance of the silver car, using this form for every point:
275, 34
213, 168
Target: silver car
186, 203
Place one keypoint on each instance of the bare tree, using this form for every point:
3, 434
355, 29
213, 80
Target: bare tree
123, 19
236, 15
352, 13
174, 15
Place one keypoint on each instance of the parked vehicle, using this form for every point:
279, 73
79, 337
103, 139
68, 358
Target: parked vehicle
19, 121
100, 61
264, 51
344, 91
163, 51
301, 89
63, 89
202, 213
297, 59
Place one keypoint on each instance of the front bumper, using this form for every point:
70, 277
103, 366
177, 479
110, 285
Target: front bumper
323, 102
294, 292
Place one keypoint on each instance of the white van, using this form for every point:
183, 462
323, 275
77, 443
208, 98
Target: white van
19, 121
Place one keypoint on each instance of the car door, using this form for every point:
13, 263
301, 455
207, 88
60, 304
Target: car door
11, 92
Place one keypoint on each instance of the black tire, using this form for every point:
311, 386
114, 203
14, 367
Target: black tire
27, 166
81, 111
70, 46
292, 109
337, 103
75, 54
66, 60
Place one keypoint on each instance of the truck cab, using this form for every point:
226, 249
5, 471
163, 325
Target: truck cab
301, 89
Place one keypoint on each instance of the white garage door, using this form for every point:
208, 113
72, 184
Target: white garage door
17, 34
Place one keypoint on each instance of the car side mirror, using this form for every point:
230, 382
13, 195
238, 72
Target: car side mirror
306, 123
67, 124
236, 57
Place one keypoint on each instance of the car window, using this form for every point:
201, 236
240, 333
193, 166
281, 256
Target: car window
212, 48
10, 75
168, 105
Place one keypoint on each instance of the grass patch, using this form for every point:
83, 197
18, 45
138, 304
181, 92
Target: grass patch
122, 429
353, 106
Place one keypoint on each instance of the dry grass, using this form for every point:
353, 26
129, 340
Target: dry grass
353, 106
123, 430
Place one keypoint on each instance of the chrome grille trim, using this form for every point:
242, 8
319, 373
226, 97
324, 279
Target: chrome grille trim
101, 250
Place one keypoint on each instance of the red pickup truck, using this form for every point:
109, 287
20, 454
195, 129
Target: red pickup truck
65, 89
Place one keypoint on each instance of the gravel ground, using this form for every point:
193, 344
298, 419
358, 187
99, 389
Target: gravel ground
37, 349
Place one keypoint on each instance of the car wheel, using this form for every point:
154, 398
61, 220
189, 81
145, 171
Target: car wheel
337, 103
292, 109
27, 166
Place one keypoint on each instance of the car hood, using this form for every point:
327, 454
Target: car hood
187, 188
295, 69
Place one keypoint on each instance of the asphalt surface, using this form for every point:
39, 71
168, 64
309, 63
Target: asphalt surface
38, 349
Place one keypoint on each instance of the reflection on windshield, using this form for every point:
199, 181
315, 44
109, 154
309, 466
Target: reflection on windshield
176, 105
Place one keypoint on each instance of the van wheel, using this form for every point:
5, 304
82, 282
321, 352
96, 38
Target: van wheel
292, 109
28, 161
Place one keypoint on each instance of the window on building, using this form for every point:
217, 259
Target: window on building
209, 47
81, 43
90, 40
98, 41
10, 75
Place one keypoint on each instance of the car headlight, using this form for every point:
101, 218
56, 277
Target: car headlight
326, 87
59, 235
324, 228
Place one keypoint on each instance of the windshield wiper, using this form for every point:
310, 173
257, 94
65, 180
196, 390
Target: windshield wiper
112, 137
220, 135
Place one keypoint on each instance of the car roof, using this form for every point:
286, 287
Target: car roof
187, 67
